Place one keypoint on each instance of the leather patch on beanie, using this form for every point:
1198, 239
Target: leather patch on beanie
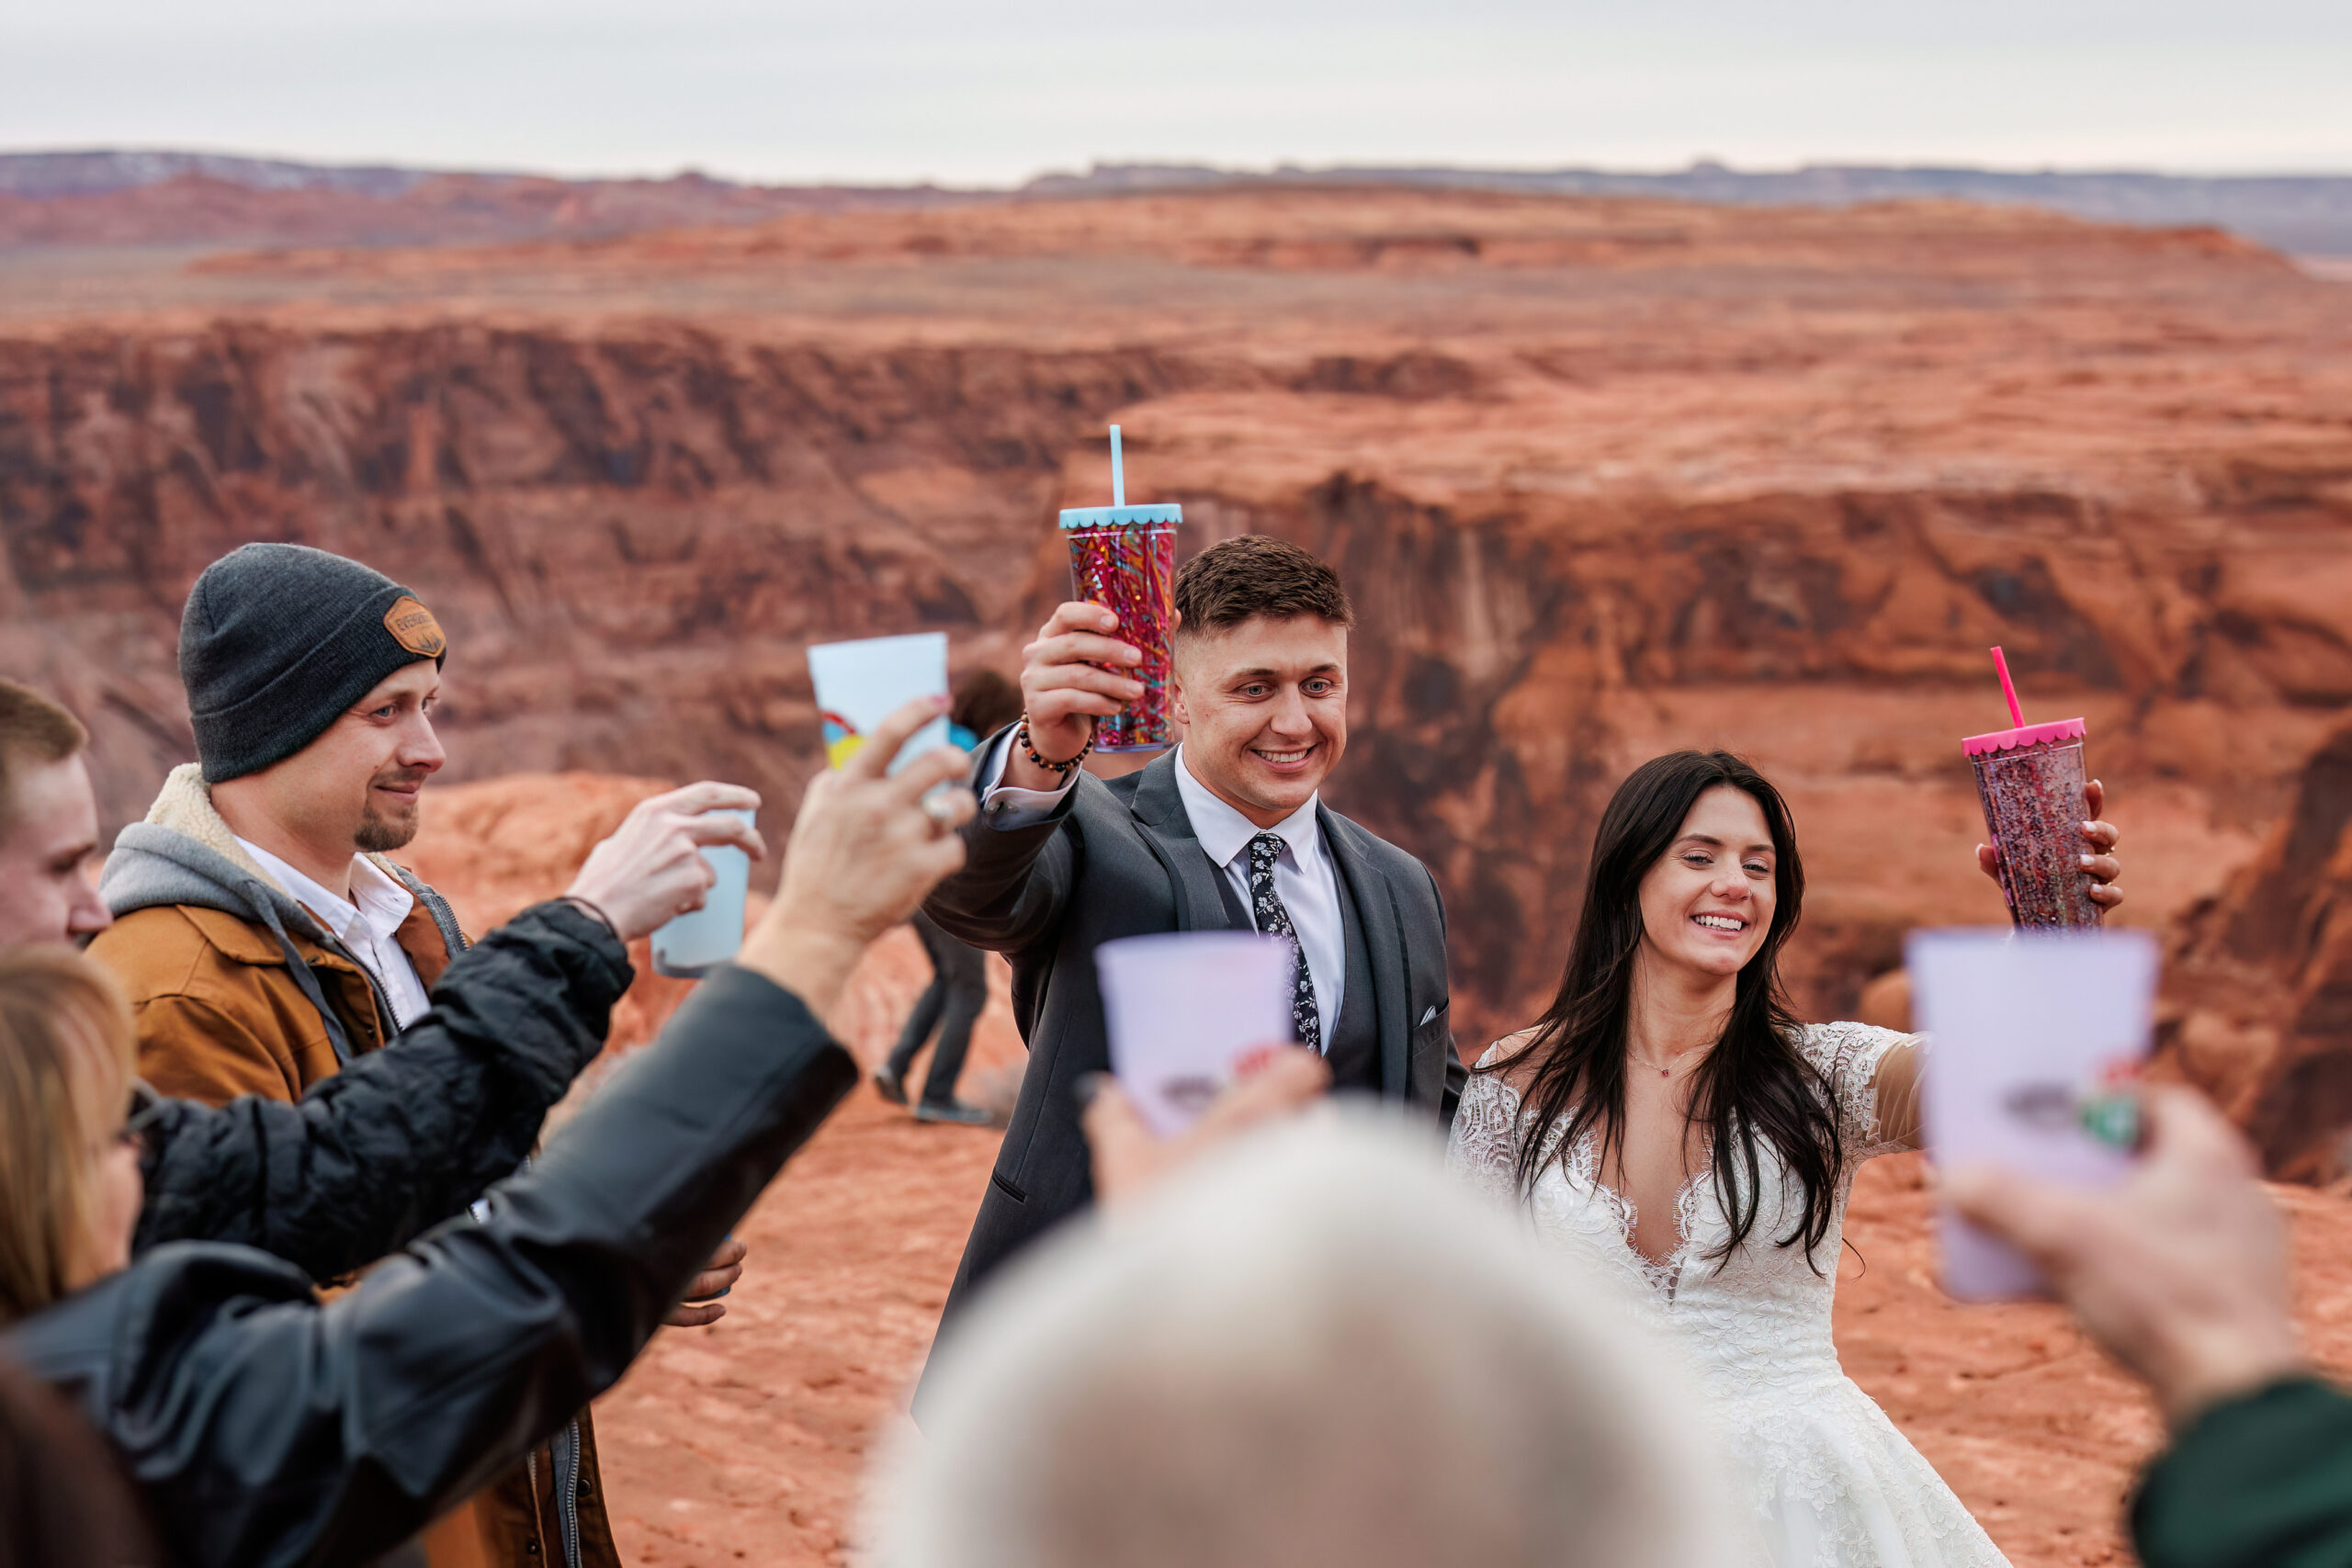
414, 627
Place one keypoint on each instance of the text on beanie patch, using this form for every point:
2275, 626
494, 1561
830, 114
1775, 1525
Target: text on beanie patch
414, 627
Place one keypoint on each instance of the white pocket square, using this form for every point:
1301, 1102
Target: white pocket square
1429, 1015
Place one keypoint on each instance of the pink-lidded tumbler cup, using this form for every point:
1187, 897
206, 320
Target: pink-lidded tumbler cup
1124, 557
2029, 781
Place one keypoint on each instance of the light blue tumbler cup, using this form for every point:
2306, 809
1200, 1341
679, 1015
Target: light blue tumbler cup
699, 940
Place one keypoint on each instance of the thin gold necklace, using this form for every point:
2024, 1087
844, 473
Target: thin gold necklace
1662, 1072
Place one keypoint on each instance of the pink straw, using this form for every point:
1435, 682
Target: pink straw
2008, 689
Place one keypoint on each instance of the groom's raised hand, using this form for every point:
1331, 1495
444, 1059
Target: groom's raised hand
1064, 688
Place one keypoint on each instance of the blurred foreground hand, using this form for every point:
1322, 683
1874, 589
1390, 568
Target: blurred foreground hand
866, 848
1276, 1081
2180, 1271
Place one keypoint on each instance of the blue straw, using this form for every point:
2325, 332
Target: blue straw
1118, 472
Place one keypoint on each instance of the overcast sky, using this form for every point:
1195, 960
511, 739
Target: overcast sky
995, 90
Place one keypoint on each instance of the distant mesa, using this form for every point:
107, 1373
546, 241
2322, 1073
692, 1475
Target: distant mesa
109, 197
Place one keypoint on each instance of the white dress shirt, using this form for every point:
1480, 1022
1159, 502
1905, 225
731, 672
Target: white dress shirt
1305, 879
364, 923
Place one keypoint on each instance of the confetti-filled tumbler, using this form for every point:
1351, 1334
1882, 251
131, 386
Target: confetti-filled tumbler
2029, 781
1124, 557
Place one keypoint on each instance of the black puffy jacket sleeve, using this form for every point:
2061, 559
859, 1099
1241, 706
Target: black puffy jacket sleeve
267, 1429
407, 1137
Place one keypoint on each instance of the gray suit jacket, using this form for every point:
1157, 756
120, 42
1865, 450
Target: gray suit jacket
1118, 859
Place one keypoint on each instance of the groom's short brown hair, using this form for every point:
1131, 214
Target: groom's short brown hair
1256, 574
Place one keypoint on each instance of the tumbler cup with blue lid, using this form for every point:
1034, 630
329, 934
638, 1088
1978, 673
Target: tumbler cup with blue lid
1124, 557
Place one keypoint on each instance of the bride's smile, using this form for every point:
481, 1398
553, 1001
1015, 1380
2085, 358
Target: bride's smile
1708, 902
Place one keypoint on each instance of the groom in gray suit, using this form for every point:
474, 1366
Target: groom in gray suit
1226, 832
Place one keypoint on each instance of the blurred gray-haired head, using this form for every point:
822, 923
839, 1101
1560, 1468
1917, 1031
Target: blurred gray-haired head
1313, 1349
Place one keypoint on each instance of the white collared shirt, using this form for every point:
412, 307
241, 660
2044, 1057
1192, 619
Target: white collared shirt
364, 923
1305, 879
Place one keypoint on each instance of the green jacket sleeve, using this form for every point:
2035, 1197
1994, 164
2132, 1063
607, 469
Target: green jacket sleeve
2262, 1481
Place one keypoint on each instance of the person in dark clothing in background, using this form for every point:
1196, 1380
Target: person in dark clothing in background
950, 1004
985, 702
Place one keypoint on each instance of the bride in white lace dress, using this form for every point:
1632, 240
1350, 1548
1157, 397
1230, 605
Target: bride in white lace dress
1671, 1121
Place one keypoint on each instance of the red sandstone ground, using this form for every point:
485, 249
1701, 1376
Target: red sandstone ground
744, 1443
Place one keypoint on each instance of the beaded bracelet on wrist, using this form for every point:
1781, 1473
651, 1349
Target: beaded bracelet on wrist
1029, 749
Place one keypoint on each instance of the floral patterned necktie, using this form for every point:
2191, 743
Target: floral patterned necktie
1307, 1024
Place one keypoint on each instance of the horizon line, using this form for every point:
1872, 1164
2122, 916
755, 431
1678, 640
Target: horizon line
1698, 162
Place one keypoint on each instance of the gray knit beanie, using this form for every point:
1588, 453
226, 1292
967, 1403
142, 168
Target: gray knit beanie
278, 641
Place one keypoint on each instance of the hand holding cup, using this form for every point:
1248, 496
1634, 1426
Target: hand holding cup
1276, 1081
2180, 1272
1063, 688
653, 867
2099, 860
866, 848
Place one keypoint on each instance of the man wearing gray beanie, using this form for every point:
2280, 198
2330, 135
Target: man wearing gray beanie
263, 938
278, 640
266, 940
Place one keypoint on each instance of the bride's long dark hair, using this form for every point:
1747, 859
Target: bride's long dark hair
1753, 1088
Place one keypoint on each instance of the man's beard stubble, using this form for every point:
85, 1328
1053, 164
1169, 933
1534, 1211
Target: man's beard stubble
378, 834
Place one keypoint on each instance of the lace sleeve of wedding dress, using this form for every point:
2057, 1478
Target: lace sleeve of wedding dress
1483, 1147
1851, 1056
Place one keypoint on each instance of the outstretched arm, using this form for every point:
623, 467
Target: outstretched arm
1897, 1099
270, 1431
1016, 881
2180, 1272
406, 1136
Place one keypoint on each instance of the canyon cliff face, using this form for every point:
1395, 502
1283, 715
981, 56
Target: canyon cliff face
2263, 974
1604, 477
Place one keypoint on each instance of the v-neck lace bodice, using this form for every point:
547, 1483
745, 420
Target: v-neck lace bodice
1662, 1275
1832, 1483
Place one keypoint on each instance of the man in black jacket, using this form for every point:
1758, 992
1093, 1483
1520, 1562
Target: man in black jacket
1226, 832
403, 1139
267, 1429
